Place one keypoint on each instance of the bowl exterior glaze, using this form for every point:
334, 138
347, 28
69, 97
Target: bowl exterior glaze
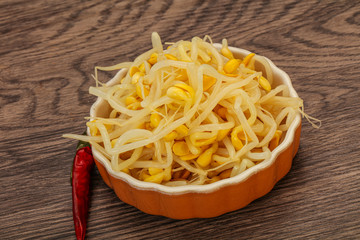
209, 204
213, 199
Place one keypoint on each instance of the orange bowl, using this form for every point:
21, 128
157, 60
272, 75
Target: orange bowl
203, 201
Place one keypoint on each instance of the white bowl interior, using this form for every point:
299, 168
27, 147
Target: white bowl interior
102, 109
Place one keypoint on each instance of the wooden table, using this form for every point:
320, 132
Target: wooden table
48, 50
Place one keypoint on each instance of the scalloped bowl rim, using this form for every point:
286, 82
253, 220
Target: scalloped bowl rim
207, 188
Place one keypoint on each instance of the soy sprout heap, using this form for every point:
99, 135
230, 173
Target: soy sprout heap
190, 114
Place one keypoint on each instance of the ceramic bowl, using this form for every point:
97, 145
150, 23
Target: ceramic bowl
203, 201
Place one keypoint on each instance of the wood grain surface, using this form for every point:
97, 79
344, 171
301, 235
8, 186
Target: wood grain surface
48, 50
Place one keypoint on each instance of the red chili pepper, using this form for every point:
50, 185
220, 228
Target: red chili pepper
83, 163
